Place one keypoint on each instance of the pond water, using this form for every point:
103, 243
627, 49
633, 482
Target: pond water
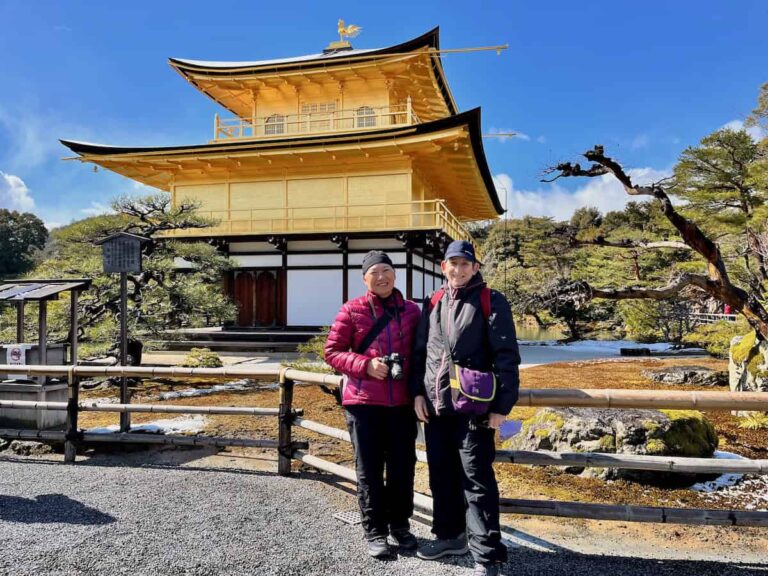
529, 332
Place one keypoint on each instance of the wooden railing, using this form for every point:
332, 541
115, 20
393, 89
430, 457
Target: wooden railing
704, 318
415, 215
289, 417
286, 125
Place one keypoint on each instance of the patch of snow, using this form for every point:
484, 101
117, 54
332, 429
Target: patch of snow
722, 481
185, 425
237, 385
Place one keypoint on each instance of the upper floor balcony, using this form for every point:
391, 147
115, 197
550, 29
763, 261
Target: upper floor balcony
314, 120
324, 218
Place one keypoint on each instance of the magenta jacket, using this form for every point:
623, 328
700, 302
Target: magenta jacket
352, 323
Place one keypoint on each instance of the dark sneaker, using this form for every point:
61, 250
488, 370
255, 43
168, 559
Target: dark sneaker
447, 547
403, 539
487, 570
378, 547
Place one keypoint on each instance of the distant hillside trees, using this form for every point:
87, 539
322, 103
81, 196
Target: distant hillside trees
22, 236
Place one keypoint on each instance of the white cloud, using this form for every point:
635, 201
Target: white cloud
14, 194
541, 140
97, 209
604, 193
755, 132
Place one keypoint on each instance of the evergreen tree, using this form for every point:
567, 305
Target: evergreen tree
22, 235
159, 298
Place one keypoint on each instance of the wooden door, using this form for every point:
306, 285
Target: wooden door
266, 298
244, 297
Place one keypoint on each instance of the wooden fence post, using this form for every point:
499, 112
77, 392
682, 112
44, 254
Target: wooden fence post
73, 400
285, 419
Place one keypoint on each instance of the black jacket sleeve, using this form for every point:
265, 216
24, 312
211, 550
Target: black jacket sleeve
419, 355
506, 355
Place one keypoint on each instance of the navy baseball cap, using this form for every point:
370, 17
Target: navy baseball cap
461, 249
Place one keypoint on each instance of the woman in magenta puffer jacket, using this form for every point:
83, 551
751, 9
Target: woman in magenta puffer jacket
377, 403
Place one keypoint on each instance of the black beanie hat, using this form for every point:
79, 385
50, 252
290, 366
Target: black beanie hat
375, 257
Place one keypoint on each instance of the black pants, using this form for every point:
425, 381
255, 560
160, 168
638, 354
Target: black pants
383, 438
464, 490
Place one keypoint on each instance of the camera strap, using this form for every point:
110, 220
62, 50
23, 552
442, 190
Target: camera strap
380, 324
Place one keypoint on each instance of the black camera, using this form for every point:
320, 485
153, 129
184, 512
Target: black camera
395, 364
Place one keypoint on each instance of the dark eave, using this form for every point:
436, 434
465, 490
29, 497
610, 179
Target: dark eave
470, 119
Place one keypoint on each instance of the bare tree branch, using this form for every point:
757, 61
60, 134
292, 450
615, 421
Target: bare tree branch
717, 282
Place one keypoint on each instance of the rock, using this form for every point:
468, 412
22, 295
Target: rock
634, 351
652, 432
29, 448
747, 363
747, 366
688, 375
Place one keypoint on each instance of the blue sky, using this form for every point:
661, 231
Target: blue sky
646, 79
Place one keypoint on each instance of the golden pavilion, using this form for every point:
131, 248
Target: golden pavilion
325, 157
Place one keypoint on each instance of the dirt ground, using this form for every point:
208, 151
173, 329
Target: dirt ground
515, 481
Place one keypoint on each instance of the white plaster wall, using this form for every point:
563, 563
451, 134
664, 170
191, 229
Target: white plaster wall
314, 260
314, 297
418, 277
396, 257
356, 286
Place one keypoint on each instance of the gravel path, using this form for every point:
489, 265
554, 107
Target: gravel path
112, 515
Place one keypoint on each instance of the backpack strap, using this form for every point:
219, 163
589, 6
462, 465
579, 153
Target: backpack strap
436, 297
485, 301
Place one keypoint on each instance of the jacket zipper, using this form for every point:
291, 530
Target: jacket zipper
389, 374
437, 383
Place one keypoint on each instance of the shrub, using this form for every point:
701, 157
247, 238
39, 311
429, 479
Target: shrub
202, 358
754, 421
311, 354
650, 321
690, 434
716, 338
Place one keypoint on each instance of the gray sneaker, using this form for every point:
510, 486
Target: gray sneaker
487, 570
445, 547
403, 539
378, 548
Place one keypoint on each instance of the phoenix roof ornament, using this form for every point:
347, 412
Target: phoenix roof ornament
350, 31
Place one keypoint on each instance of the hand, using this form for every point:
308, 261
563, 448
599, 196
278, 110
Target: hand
495, 420
420, 405
377, 369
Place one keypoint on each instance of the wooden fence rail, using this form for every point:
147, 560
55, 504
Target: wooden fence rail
588, 459
289, 450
